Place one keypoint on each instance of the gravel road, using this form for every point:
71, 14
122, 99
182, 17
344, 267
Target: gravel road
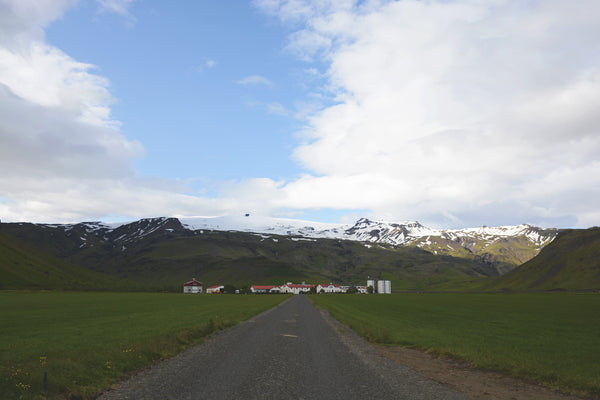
290, 352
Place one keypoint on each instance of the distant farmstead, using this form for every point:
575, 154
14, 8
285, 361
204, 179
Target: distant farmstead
192, 286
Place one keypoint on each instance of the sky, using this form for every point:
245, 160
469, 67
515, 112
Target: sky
452, 113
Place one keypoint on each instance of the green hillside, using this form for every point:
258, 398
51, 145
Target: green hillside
24, 267
570, 262
244, 259
504, 253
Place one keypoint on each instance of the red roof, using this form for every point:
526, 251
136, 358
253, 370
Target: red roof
294, 285
329, 284
214, 287
262, 287
193, 282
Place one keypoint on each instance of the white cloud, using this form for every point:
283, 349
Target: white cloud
255, 80
210, 63
453, 108
116, 6
276, 108
62, 156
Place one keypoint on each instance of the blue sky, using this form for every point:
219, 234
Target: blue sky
180, 77
454, 113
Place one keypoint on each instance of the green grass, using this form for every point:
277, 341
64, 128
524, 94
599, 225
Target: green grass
553, 338
87, 341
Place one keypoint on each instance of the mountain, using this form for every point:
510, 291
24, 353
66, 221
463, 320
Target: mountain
506, 246
161, 253
570, 262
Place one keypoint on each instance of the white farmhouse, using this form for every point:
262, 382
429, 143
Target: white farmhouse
192, 286
329, 288
296, 288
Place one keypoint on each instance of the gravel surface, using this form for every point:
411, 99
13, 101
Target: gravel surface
290, 352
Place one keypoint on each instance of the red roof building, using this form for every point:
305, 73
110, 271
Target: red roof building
265, 289
192, 286
215, 289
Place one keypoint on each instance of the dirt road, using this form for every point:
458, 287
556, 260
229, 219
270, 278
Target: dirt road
289, 352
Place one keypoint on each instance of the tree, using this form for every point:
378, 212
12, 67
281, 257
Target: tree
352, 290
229, 289
370, 289
245, 290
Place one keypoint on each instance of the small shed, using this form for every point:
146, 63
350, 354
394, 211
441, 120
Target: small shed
192, 286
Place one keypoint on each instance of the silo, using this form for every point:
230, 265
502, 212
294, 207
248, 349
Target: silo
388, 287
380, 286
371, 282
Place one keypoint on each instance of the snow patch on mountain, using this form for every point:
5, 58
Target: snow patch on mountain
266, 225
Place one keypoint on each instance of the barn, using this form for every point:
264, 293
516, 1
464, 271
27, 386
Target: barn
192, 286
215, 289
265, 289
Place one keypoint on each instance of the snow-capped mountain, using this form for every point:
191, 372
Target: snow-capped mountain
365, 230
510, 244
505, 244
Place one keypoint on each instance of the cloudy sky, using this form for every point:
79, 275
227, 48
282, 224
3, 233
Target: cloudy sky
453, 113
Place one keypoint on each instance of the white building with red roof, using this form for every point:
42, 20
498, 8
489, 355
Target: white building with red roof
192, 286
265, 289
215, 289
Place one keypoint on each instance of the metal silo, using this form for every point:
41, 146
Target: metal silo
380, 286
371, 282
388, 287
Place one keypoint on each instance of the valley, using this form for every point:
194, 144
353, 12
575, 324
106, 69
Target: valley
159, 254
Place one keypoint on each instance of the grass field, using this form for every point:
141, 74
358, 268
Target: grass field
87, 341
553, 338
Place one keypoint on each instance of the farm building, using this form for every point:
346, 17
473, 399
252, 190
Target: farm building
215, 289
265, 289
296, 288
192, 286
329, 288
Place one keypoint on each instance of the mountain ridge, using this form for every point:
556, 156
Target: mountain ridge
163, 251
504, 246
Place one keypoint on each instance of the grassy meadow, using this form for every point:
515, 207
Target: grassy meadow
87, 341
553, 338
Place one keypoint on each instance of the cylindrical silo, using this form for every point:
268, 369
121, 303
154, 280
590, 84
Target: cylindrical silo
371, 282
388, 287
380, 286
